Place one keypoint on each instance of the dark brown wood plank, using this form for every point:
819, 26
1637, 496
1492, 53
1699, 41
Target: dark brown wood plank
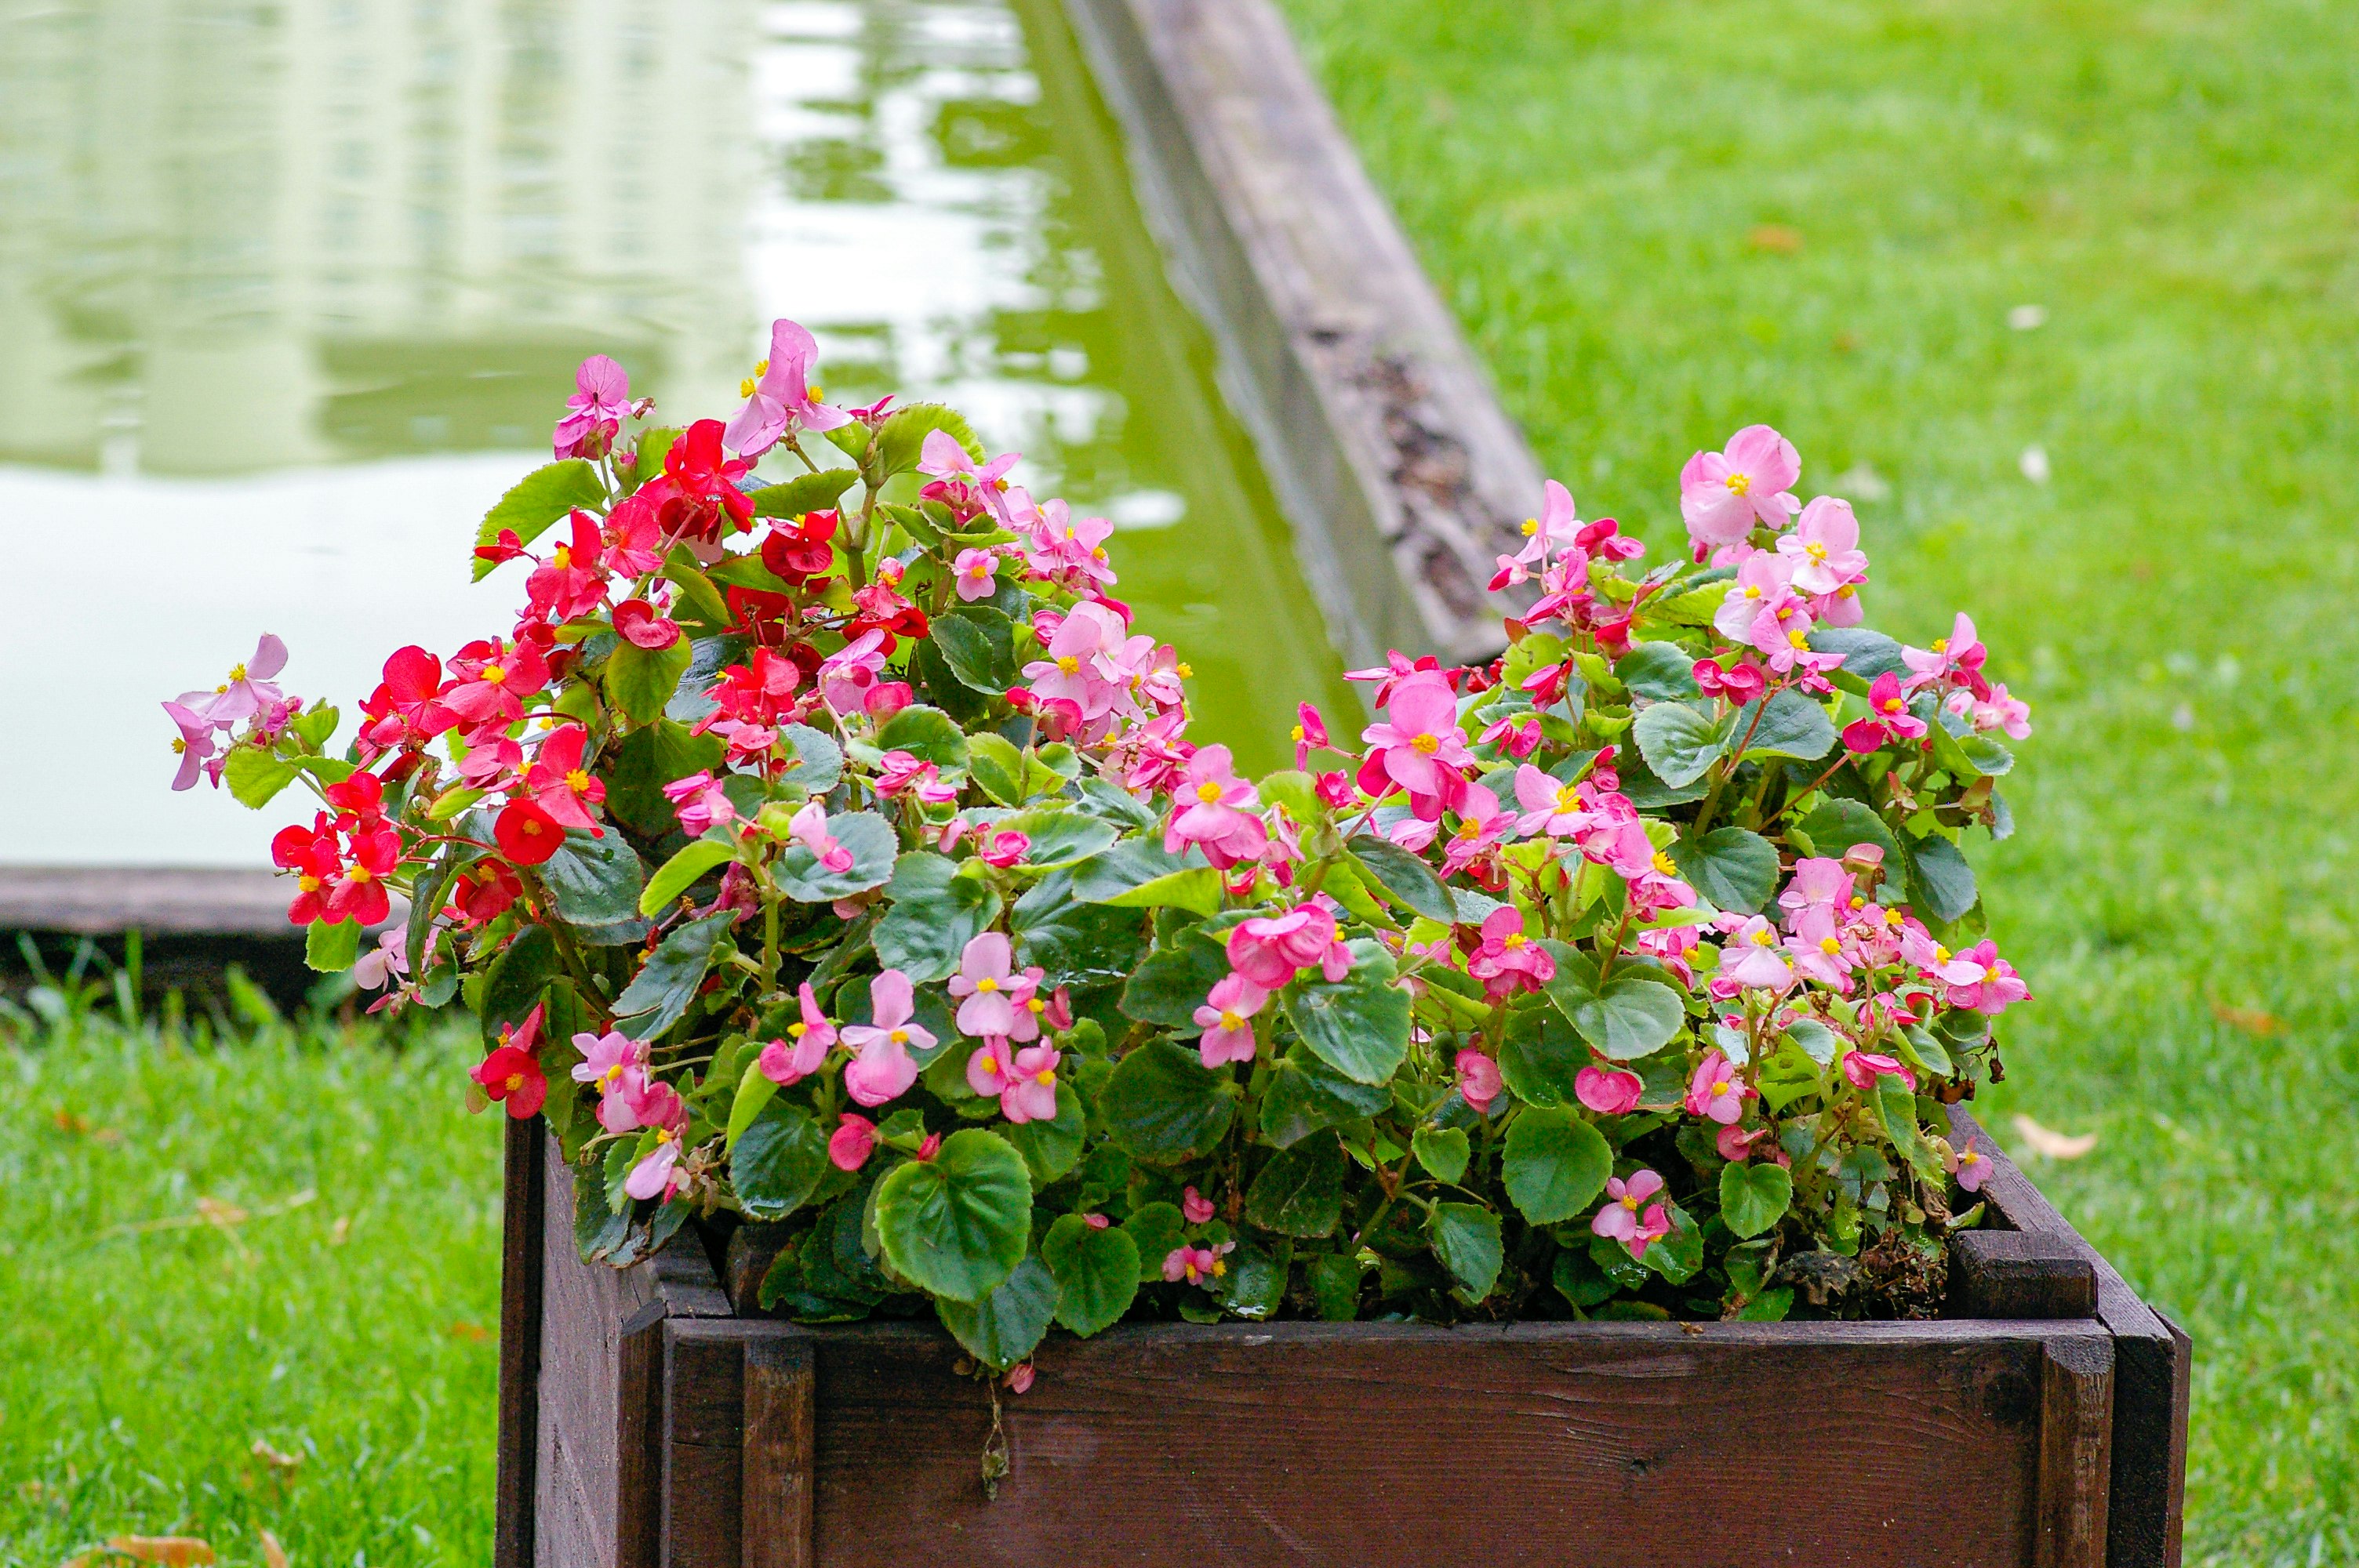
703, 1439
2153, 1360
636, 1479
522, 1223
1374, 1445
2076, 1413
2020, 1274
781, 1439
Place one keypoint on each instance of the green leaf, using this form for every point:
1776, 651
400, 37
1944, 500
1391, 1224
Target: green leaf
512, 985
1837, 823
1137, 874
640, 680
1406, 877
935, 914
803, 494
819, 761
956, 1225
1358, 1025
1059, 837
1627, 1018
800, 876
778, 1162
754, 1092
1733, 867
1301, 1191
968, 652
1695, 607
1304, 1094
1155, 1229
1754, 1195
1173, 982
1679, 743
1943, 880
647, 760
683, 871
1083, 945
1896, 1104
1105, 799
1097, 1272
1002, 1328
996, 764
902, 437
1792, 726
1542, 1056
593, 883
1466, 1239
927, 733
699, 604
1052, 1148
331, 948
1443, 1151
1814, 1040
1659, 672
1335, 1286
1556, 1165
1164, 1105
661, 996
540, 498
1866, 654
1254, 1284
255, 775
427, 896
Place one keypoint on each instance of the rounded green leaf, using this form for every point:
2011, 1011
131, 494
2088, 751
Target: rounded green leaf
777, 1163
1465, 1237
1359, 1025
1003, 1327
1628, 1017
934, 914
1679, 743
1174, 979
1097, 1272
1659, 672
1155, 1229
1301, 1191
1541, 1058
956, 1225
1164, 1105
1754, 1195
1405, 876
1443, 1151
1837, 823
1054, 1146
680, 873
870, 839
1790, 725
1556, 1165
641, 680
927, 733
1733, 867
1938, 870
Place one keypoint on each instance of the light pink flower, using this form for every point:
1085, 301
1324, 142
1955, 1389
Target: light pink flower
1418, 745
1269, 950
1995, 711
1821, 885
1620, 1219
249, 690
1824, 546
782, 395
1196, 1206
1478, 1079
801, 1053
1724, 495
1309, 735
699, 801
658, 1176
601, 402
1863, 1067
1215, 810
1750, 958
977, 574
1763, 578
994, 996
1971, 1166
943, 457
2000, 987
1552, 530
385, 962
807, 826
1508, 961
1958, 655
1024, 1082
1609, 1091
1717, 1090
1079, 668
195, 745
1196, 1265
1551, 806
1226, 1019
846, 676
882, 1068
606, 1059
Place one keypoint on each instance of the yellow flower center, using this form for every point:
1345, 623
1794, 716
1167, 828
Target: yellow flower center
1857, 902
1069, 665
1035, 1006
1739, 483
495, 673
308, 882
361, 874
1753, 591
986, 984
813, 392
898, 1036
991, 1067
613, 1075
746, 387
1231, 1019
1630, 1203
1208, 793
1799, 639
1183, 669
1297, 732
1720, 1088
578, 780
1892, 705
1940, 645
1513, 940
1429, 745
1830, 946
1817, 552
1531, 527
1219, 1268
515, 1082
1665, 864
1847, 591
237, 672
1469, 828
563, 558
663, 1136
1000, 485
1045, 1076
798, 1030
1941, 954
761, 367
1763, 937
1970, 1158
180, 744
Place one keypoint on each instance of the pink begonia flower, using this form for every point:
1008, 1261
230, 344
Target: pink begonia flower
1820, 884
1021, 1377
1508, 961
846, 674
1478, 1079
1196, 1265
807, 828
195, 745
1269, 950
1716, 1090
1309, 735
1659, 887
1214, 809
942, 456
1995, 711
805, 1049
1003, 847
1065, 548
1959, 654
898, 771
1724, 495
1226, 1019
1024, 1082
601, 402
1418, 746
1737, 1145
1609, 1091
1672, 945
882, 1068
1889, 717
977, 572
1971, 1166
1196, 1206
699, 801
853, 1140
1824, 546
1750, 958
1482, 825
1551, 808
1517, 735
1555, 528
1863, 1067
1080, 666
658, 1176
1819, 952
781, 395
1763, 578
2000, 987
1620, 1219
1739, 683
992, 994
249, 690
607, 1059
385, 962
1397, 668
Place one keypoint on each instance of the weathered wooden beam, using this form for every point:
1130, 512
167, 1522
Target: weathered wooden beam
2020, 1274
99, 901
522, 1222
1401, 474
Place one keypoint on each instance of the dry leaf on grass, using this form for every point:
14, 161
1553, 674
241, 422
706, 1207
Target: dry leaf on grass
2050, 1145
1778, 237
273, 1554
473, 1333
2252, 1021
171, 1551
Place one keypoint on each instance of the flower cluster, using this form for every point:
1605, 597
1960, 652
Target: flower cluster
823, 844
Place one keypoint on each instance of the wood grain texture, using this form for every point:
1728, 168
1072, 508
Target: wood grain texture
99, 900
522, 1226
1376, 1445
781, 1439
2076, 1411
1401, 474
2020, 1274
703, 1442
2153, 1359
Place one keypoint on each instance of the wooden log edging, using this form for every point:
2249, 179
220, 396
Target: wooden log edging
1402, 476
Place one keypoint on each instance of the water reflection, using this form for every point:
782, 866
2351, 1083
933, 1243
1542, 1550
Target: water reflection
288, 293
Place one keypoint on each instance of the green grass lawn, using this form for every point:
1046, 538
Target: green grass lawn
1659, 222
346, 1322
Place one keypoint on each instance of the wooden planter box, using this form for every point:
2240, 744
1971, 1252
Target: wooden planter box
643, 1422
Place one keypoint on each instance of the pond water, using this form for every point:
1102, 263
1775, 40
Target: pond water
289, 294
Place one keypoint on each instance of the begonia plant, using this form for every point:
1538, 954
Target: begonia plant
824, 846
